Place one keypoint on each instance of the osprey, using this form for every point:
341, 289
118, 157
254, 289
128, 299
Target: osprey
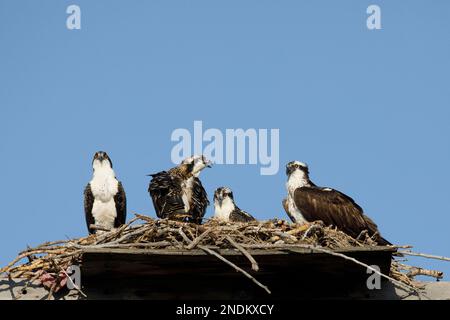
178, 194
225, 209
307, 202
105, 203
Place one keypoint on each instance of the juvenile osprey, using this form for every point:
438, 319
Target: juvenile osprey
178, 194
105, 203
307, 202
225, 209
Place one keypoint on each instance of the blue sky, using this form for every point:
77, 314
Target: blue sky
368, 110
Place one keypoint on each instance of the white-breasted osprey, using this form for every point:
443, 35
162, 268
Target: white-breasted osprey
178, 194
225, 209
307, 202
105, 203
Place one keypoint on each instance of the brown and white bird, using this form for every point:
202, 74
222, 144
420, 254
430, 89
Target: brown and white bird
225, 209
178, 194
105, 203
307, 202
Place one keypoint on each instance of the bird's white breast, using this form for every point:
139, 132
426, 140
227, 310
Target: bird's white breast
223, 212
104, 213
104, 187
296, 180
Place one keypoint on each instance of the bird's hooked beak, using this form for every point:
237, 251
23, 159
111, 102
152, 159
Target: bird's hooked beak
206, 162
288, 170
219, 198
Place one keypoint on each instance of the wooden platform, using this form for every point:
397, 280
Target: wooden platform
194, 274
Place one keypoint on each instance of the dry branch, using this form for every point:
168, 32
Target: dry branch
245, 273
197, 240
417, 271
423, 255
255, 266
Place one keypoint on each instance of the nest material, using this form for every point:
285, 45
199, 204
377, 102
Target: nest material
48, 261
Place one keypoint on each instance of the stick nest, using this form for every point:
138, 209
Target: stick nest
49, 261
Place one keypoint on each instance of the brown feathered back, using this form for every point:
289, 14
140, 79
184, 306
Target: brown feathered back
337, 209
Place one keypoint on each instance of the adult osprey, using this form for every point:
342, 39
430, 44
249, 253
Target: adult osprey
307, 202
225, 209
178, 194
105, 203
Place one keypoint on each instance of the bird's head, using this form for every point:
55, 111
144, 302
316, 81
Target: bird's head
101, 160
195, 164
293, 166
221, 194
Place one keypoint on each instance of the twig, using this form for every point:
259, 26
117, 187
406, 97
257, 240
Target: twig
312, 228
235, 267
123, 245
115, 232
197, 240
99, 228
20, 257
43, 246
283, 235
416, 271
423, 255
407, 246
255, 266
144, 217
64, 255
183, 235
71, 281
126, 236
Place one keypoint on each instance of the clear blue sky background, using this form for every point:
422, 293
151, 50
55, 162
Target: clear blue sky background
367, 110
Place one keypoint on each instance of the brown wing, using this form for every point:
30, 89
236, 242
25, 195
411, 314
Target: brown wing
239, 215
88, 204
166, 193
333, 208
199, 201
120, 200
